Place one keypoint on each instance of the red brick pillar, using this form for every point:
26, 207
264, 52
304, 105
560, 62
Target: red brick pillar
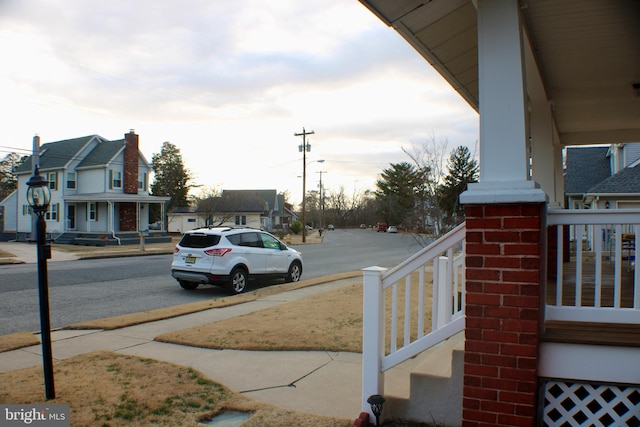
505, 247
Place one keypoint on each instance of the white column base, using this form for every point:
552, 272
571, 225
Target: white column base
503, 192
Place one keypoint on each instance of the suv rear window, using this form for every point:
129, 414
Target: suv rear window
199, 240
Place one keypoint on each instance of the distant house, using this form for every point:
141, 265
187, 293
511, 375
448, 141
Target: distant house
263, 209
181, 219
99, 189
603, 177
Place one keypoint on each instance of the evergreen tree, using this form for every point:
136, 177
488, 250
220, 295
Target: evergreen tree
171, 178
8, 178
395, 192
462, 170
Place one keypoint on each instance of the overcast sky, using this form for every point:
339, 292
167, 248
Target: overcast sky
228, 82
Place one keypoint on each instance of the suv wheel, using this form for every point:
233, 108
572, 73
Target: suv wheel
237, 281
295, 271
188, 285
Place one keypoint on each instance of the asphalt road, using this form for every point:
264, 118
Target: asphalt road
92, 289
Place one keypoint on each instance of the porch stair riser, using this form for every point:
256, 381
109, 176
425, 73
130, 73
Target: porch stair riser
66, 238
429, 388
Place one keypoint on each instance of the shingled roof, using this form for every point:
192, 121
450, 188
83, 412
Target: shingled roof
102, 154
56, 155
624, 182
585, 168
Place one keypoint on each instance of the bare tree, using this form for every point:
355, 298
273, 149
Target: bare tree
208, 202
430, 159
338, 204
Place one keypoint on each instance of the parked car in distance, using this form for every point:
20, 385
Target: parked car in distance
392, 229
231, 257
381, 226
330, 227
363, 226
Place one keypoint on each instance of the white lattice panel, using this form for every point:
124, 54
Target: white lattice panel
579, 404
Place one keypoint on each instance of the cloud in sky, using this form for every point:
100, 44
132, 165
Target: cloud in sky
227, 82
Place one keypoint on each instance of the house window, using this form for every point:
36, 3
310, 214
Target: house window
71, 180
52, 212
241, 220
191, 220
143, 183
93, 211
52, 177
115, 180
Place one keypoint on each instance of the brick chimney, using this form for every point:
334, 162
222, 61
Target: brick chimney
131, 163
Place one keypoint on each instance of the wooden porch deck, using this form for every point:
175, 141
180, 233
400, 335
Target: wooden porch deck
614, 334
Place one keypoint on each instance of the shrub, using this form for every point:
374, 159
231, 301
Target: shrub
296, 227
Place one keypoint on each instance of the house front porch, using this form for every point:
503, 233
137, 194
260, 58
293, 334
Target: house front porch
583, 357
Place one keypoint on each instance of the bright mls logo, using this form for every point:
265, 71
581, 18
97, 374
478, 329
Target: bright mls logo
34, 415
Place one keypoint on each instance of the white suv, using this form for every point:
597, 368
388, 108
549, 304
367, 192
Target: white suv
230, 256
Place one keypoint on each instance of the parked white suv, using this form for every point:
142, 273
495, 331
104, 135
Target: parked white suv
230, 256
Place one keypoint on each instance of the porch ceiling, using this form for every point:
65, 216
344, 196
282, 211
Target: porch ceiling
585, 54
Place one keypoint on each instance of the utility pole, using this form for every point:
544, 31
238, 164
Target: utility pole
321, 200
304, 148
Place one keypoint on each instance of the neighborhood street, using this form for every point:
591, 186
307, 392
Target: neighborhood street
92, 289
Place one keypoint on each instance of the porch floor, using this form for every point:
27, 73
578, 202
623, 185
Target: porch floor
613, 334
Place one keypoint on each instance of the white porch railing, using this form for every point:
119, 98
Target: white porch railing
605, 286
396, 304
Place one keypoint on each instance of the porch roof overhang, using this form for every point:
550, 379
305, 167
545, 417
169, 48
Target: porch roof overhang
116, 198
581, 56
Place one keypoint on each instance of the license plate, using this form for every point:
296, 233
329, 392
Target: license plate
190, 260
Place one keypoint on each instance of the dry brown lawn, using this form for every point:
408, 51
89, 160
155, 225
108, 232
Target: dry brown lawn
5, 254
17, 340
108, 389
331, 321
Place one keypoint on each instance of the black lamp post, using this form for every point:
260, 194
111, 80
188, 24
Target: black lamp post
39, 196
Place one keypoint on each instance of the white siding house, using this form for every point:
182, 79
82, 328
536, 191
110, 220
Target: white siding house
99, 189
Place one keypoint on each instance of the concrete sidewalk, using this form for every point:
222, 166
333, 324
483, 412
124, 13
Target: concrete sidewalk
25, 253
318, 382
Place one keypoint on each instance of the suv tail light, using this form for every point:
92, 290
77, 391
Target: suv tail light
217, 251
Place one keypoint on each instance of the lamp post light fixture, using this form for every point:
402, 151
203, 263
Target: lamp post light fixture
39, 196
376, 401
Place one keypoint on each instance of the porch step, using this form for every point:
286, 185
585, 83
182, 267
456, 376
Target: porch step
66, 238
613, 334
428, 388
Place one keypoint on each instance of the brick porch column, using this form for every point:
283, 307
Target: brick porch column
505, 250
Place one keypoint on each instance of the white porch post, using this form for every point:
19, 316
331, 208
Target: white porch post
544, 146
110, 214
504, 157
372, 335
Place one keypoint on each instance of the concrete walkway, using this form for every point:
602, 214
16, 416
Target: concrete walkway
319, 382
27, 253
